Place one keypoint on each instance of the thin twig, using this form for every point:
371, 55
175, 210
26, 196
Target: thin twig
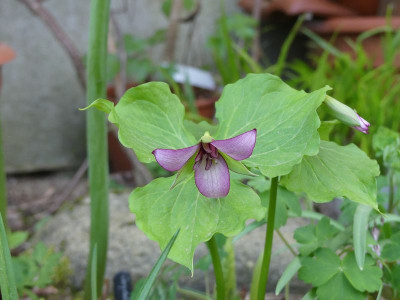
61, 36
67, 191
172, 31
256, 41
286, 242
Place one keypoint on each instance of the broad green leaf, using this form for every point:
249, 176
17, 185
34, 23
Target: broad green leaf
366, 280
339, 288
161, 211
285, 119
320, 269
288, 274
148, 116
7, 280
148, 283
360, 230
198, 129
336, 171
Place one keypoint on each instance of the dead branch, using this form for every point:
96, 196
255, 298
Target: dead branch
36, 7
256, 42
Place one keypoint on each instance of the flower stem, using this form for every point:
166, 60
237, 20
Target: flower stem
219, 276
262, 284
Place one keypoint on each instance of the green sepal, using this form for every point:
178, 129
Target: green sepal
236, 166
184, 172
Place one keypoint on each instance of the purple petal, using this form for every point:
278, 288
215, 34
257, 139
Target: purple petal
239, 147
173, 160
214, 182
364, 125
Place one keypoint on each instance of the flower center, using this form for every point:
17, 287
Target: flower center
207, 152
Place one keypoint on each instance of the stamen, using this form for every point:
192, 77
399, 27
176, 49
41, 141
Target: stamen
208, 163
206, 147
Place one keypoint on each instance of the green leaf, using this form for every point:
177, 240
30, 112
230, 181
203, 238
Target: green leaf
338, 288
368, 279
93, 279
391, 250
285, 119
336, 171
326, 129
16, 238
160, 212
198, 129
384, 137
149, 116
148, 283
360, 230
288, 274
7, 279
320, 269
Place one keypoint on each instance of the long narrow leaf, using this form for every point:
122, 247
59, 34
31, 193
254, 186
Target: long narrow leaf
146, 288
360, 230
97, 141
288, 274
93, 279
7, 280
317, 216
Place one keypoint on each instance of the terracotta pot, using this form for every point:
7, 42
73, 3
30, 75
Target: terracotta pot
7, 54
321, 8
351, 28
363, 7
206, 106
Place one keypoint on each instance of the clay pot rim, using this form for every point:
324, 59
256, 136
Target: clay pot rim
354, 25
7, 54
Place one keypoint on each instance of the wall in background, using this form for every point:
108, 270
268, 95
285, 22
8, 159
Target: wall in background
43, 128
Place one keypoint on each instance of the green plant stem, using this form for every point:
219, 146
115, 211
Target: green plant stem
192, 294
3, 190
391, 192
219, 276
286, 242
97, 141
262, 284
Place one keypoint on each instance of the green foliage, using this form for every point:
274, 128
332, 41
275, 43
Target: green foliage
312, 237
391, 250
286, 121
340, 279
197, 216
39, 268
146, 285
232, 30
7, 272
386, 144
148, 117
372, 90
336, 171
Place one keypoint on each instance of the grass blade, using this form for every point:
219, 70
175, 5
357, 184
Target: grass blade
288, 274
97, 141
3, 191
360, 229
146, 288
7, 280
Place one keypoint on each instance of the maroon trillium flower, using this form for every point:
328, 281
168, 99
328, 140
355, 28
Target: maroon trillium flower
211, 169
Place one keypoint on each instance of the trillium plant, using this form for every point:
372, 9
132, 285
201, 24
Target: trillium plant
263, 128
